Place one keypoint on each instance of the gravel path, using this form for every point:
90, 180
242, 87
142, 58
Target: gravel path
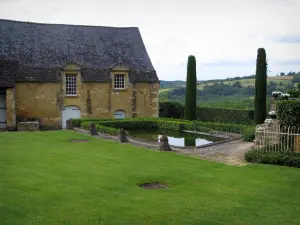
231, 152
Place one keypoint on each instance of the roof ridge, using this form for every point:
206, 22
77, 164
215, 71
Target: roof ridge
65, 24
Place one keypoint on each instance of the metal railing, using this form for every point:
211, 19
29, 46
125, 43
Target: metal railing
274, 137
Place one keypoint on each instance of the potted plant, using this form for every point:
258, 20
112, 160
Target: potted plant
276, 94
272, 114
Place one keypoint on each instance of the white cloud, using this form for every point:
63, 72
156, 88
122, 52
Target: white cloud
213, 30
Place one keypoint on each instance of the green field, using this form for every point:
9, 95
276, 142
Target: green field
280, 81
45, 179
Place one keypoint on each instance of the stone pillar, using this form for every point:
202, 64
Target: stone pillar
154, 95
297, 144
122, 136
10, 109
164, 143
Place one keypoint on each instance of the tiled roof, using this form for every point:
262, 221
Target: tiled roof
43, 50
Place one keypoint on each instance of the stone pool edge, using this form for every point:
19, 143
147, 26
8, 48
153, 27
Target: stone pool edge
154, 145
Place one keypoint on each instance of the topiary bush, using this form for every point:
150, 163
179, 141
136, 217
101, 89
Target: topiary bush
284, 158
260, 87
288, 112
191, 90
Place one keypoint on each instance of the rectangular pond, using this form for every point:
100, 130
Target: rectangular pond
176, 138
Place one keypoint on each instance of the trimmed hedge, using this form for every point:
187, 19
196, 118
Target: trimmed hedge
284, 158
232, 128
260, 101
78, 122
149, 124
237, 116
205, 114
288, 112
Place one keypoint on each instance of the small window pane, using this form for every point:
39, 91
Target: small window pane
71, 84
119, 81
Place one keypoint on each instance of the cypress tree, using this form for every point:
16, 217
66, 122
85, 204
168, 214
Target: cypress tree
260, 87
191, 90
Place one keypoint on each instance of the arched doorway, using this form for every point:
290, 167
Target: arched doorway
69, 112
119, 114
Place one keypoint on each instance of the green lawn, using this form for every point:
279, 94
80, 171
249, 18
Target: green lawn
44, 179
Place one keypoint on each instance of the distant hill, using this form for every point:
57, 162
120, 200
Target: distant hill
237, 92
246, 81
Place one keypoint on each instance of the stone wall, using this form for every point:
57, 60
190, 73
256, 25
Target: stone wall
44, 101
10, 109
38, 100
28, 126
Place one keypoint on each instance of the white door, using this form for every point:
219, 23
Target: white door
2, 109
120, 114
68, 113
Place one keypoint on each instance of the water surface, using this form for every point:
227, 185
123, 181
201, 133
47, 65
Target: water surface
176, 138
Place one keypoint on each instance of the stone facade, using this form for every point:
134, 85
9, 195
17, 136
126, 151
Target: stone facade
44, 101
10, 109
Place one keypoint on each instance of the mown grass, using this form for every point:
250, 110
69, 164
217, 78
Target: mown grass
44, 179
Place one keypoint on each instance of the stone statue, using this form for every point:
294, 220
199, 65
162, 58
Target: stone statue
164, 143
93, 130
122, 136
69, 125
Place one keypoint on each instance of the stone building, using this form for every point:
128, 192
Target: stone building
53, 72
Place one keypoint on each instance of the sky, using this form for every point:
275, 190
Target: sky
223, 35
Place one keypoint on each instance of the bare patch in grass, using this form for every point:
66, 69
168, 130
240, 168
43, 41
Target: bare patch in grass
152, 185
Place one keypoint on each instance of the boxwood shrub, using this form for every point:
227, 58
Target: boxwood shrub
249, 134
107, 130
148, 123
78, 122
288, 112
100, 128
283, 158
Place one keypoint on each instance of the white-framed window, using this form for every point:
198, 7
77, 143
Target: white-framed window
119, 81
71, 88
